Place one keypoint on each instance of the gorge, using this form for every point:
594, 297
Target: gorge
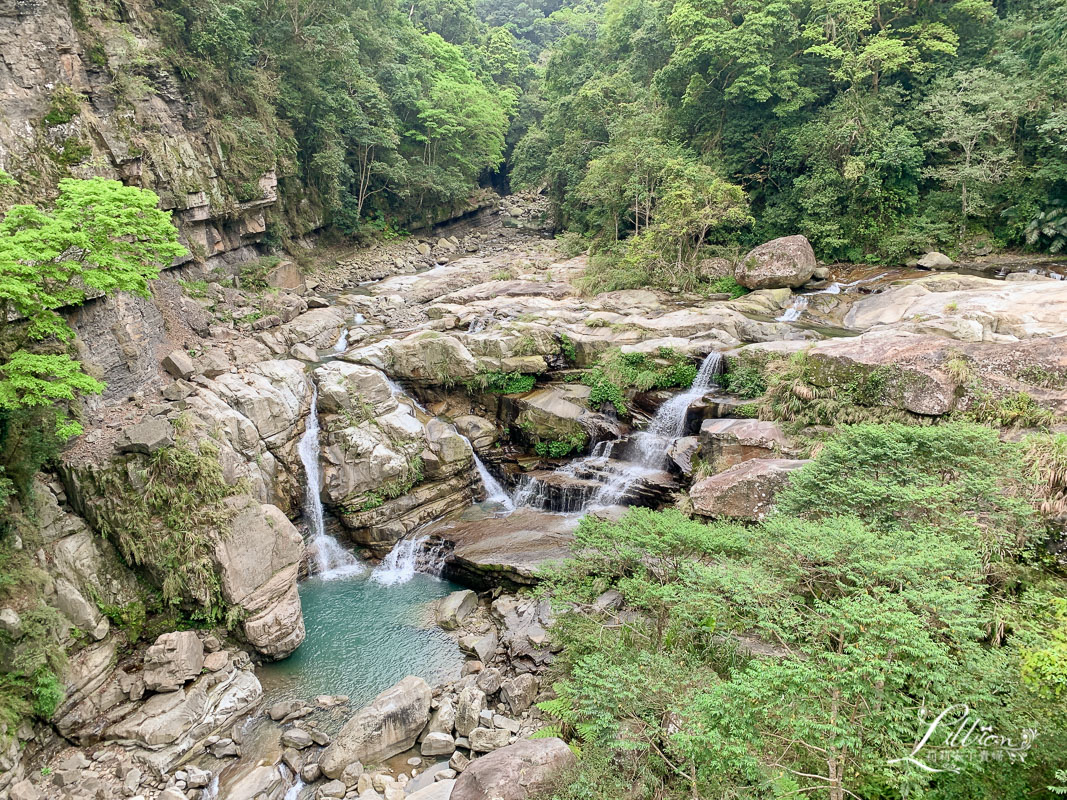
546, 401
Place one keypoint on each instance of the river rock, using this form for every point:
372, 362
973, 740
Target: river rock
441, 790
353, 389
24, 790
480, 431
470, 705
333, 789
389, 725
519, 692
785, 262
443, 719
452, 610
438, 744
174, 659
258, 560
489, 680
744, 491
297, 738
935, 260
726, 442
352, 773
484, 740
516, 772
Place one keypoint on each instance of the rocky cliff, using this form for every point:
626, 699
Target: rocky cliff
91, 93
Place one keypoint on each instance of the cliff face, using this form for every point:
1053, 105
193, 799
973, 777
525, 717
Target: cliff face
84, 94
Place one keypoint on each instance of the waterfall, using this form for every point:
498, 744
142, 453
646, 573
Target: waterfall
294, 791
211, 791
330, 559
494, 492
800, 302
647, 451
342, 342
407, 557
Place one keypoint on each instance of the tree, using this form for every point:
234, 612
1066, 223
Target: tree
973, 114
101, 238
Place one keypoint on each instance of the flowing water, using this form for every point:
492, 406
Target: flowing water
601, 479
330, 559
410, 556
363, 637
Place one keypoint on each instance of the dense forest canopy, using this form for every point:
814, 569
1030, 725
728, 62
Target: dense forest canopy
660, 128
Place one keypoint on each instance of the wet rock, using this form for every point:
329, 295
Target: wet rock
744, 491
288, 709
453, 609
785, 262
470, 705
519, 692
291, 758
389, 725
515, 772
174, 659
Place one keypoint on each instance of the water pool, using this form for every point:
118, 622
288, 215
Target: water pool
362, 637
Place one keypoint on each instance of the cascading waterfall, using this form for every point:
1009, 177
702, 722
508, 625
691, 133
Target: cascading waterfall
294, 791
342, 341
646, 452
408, 556
330, 559
792, 314
494, 492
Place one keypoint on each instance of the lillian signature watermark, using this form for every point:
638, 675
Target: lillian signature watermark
958, 736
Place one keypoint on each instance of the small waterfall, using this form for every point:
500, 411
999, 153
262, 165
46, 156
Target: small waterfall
330, 559
294, 791
211, 791
342, 342
600, 480
792, 314
494, 492
408, 556
359, 319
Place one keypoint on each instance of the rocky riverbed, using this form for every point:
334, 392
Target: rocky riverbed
456, 438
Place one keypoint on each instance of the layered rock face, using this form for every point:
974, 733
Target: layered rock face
151, 136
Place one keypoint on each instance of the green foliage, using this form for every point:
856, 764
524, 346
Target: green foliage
1013, 410
502, 383
63, 106
567, 348
101, 237
727, 285
876, 129
895, 576
165, 516
560, 448
617, 371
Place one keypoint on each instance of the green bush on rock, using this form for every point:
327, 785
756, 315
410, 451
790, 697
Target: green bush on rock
898, 574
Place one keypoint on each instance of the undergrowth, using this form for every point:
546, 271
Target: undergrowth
615, 372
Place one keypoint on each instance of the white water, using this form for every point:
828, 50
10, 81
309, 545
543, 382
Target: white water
330, 559
342, 342
651, 448
211, 791
407, 557
295, 789
792, 314
494, 492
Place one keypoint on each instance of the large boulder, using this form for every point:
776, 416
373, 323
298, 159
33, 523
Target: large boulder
726, 442
258, 558
174, 659
744, 491
452, 610
354, 390
426, 357
785, 262
515, 772
389, 725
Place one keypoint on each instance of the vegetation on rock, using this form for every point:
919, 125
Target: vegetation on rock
902, 575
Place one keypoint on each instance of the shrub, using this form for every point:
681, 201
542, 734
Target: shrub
502, 383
